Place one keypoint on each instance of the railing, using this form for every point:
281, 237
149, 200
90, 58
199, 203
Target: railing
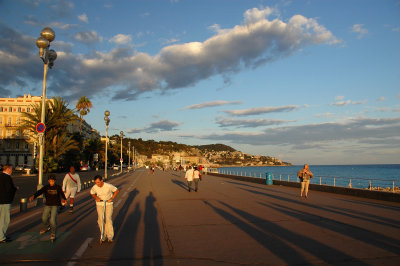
388, 185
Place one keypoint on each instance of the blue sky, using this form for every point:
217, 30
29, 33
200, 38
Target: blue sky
305, 81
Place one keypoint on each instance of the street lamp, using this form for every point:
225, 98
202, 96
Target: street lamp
107, 121
129, 155
47, 35
122, 135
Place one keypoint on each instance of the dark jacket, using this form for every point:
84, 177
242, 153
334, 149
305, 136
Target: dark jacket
53, 194
7, 189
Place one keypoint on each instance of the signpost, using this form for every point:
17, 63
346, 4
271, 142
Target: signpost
40, 128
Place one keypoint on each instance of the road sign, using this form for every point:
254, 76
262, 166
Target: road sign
121, 160
40, 127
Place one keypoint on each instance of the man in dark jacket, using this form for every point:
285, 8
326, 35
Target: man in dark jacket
7, 193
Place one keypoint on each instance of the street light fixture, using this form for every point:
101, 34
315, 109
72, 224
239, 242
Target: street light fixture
129, 155
107, 121
121, 160
47, 35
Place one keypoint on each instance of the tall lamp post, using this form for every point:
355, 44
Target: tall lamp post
107, 121
122, 135
47, 35
129, 155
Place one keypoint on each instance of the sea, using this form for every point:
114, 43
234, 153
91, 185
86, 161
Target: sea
356, 176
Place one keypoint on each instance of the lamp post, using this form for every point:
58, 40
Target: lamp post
107, 121
129, 155
121, 160
47, 35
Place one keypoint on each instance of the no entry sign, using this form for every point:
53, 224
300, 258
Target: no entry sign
40, 127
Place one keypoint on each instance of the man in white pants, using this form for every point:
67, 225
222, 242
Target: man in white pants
102, 191
71, 186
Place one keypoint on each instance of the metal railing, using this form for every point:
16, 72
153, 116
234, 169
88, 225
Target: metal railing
389, 185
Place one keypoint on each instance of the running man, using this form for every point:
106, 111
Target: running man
102, 191
71, 186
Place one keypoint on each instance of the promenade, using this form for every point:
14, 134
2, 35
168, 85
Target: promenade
227, 222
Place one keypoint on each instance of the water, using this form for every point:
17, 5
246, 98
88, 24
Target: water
360, 176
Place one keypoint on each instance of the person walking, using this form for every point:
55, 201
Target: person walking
53, 194
101, 192
196, 178
304, 175
7, 193
71, 186
189, 177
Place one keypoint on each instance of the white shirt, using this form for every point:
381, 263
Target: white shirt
189, 175
68, 182
196, 174
104, 193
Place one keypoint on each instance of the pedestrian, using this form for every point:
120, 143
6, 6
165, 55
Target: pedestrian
7, 193
102, 191
53, 195
304, 175
196, 178
189, 177
71, 186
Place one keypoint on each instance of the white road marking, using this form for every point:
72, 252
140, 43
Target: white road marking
80, 251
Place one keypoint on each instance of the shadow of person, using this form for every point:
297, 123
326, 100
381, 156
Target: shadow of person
152, 252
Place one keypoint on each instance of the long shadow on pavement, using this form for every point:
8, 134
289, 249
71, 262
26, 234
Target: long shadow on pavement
125, 230
281, 236
349, 230
152, 252
318, 207
179, 183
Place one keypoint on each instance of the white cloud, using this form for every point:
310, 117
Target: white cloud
83, 18
250, 123
341, 102
358, 28
211, 104
176, 66
164, 125
88, 37
262, 110
381, 99
121, 39
339, 98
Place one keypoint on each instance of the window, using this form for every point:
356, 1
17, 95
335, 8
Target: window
10, 109
1, 120
26, 146
8, 145
9, 133
18, 120
18, 133
28, 110
17, 145
9, 121
19, 109
1, 109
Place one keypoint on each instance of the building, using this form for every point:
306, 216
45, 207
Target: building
18, 146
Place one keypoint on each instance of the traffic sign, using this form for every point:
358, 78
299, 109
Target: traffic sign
40, 127
121, 160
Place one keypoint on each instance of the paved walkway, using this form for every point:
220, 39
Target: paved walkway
227, 222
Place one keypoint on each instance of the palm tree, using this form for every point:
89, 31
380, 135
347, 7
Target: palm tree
83, 106
57, 117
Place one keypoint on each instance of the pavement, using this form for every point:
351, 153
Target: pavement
227, 222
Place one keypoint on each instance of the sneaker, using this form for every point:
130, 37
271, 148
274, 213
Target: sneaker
44, 230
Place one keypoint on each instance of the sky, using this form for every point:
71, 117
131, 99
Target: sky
305, 81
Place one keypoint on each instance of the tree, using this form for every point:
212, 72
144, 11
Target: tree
57, 141
83, 106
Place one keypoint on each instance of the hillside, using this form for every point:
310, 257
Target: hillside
214, 147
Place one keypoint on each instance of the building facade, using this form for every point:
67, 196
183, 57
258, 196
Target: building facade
18, 146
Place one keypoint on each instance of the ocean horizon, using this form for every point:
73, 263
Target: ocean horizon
356, 175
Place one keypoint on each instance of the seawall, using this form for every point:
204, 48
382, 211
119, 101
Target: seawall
365, 193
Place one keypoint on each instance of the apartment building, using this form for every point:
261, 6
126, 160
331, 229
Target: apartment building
18, 146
